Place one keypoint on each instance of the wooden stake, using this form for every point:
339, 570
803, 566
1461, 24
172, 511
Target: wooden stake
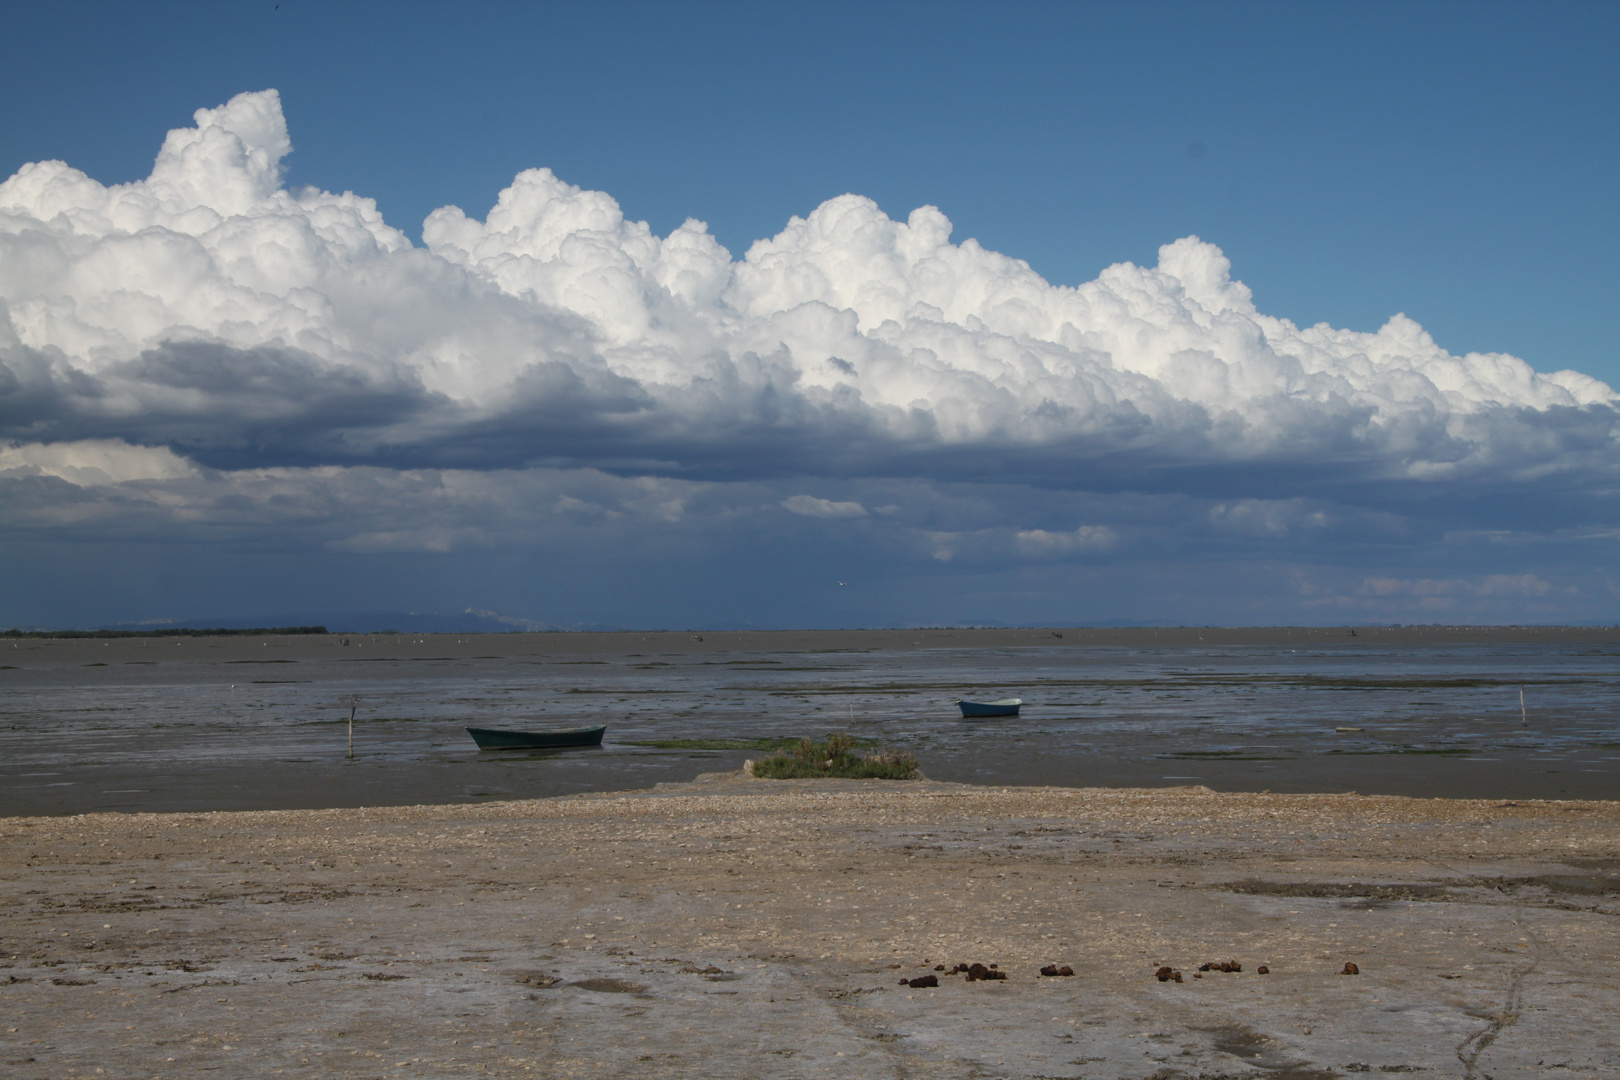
1524, 717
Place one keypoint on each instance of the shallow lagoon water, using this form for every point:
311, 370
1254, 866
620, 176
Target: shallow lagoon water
230, 723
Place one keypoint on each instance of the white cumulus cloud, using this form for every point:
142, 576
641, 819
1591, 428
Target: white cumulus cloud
810, 506
1085, 538
95, 462
209, 309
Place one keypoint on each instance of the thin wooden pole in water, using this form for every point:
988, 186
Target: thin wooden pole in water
354, 702
1524, 717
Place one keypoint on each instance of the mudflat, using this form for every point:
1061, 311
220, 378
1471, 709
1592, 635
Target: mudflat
745, 928
249, 723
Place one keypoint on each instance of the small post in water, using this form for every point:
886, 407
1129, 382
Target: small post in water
353, 701
1524, 717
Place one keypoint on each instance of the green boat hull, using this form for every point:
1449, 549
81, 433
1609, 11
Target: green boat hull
1009, 707
491, 739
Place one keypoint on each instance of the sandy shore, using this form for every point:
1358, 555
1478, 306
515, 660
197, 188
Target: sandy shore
754, 928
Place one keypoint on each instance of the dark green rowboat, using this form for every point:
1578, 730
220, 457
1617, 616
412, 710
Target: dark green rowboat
1004, 707
490, 739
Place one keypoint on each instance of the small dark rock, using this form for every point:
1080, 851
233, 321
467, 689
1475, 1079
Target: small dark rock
921, 981
1350, 969
977, 972
939, 967
610, 986
537, 979
1262, 970
1053, 969
1164, 973
1205, 967
1175, 976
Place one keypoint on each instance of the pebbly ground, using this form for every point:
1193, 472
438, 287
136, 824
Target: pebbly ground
739, 928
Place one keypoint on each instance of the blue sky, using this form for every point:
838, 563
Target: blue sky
1454, 163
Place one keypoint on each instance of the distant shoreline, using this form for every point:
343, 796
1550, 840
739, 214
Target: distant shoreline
165, 632
612, 641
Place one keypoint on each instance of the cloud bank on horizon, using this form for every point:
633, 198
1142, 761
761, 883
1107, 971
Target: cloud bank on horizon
208, 350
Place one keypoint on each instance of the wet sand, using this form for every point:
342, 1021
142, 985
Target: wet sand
740, 928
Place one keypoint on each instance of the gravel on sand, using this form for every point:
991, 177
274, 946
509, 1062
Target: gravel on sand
745, 928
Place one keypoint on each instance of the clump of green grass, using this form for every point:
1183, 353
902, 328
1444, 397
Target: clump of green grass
711, 744
836, 757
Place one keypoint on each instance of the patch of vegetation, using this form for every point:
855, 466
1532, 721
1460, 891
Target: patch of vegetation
713, 744
836, 757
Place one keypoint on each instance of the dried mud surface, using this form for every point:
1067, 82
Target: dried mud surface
739, 928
